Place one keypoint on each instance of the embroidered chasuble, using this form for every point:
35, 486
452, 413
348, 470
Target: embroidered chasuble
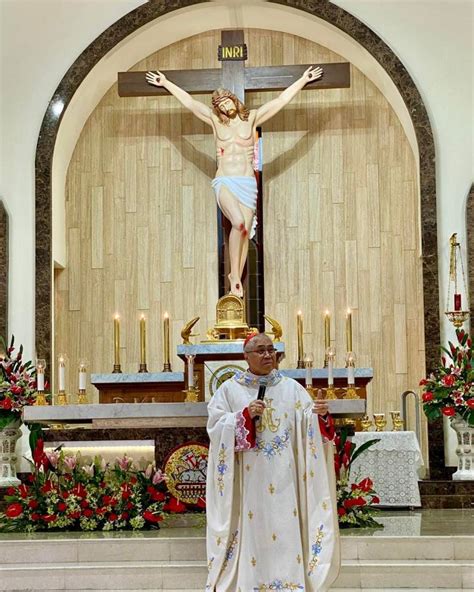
271, 516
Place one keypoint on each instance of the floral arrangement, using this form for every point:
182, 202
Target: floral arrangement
449, 390
65, 493
354, 500
17, 384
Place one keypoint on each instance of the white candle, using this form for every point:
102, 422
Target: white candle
190, 371
82, 377
330, 371
62, 374
40, 379
350, 375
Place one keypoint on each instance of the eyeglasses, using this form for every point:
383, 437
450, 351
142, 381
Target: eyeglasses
261, 352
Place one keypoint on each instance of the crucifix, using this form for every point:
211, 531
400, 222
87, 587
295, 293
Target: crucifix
237, 79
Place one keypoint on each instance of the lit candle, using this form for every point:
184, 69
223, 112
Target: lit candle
308, 364
142, 340
40, 367
349, 330
82, 376
327, 330
62, 374
299, 327
457, 302
166, 338
117, 340
330, 370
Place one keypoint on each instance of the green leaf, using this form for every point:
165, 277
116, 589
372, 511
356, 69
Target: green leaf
36, 432
362, 448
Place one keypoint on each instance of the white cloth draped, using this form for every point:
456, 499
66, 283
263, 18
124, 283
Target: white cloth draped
271, 516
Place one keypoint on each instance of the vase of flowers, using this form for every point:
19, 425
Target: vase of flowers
449, 391
17, 389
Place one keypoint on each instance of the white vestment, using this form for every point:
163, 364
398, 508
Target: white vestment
271, 516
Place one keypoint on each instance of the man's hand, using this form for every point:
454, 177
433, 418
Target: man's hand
256, 408
320, 406
312, 73
155, 78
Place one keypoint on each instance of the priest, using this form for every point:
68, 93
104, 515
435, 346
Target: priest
271, 515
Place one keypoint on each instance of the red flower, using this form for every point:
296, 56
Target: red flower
126, 494
375, 499
11, 491
79, 490
39, 456
366, 485
423, 381
50, 517
48, 486
14, 510
87, 513
201, 503
358, 501
62, 507
84, 504
6, 404
101, 511
341, 512
133, 480
129, 505
124, 516
74, 515
448, 411
112, 517
428, 396
23, 490
157, 496
152, 517
106, 499
35, 516
174, 505
470, 403
33, 504
448, 380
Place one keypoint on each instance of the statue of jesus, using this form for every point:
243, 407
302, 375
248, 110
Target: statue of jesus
234, 129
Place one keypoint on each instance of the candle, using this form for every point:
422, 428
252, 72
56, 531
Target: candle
350, 375
142, 340
117, 340
82, 376
457, 302
40, 378
308, 364
330, 370
299, 327
166, 338
349, 330
327, 330
190, 371
61, 374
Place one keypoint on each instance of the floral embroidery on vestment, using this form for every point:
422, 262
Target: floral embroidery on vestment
221, 469
316, 549
278, 585
253, 380
311, 442
230, 549
274, 446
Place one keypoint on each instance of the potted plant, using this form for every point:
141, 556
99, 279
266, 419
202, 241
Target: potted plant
17, 389
449, 391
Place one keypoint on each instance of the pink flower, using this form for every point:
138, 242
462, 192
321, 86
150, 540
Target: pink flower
70, 462
124, 462
149, 471
53, 457
158, 477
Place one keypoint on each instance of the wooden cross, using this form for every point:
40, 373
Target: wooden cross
235, 77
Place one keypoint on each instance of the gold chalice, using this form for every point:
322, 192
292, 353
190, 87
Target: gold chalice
397, 422
380, 422
366, 423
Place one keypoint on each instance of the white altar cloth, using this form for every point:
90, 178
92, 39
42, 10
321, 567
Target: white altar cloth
393, 464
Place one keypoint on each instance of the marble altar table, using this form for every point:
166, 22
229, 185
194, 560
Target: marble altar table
393, 464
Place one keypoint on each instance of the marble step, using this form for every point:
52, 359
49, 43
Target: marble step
186, 544
191, 575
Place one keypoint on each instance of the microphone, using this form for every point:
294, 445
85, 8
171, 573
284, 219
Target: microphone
261, 393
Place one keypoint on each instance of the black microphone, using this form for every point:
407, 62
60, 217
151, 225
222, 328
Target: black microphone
261, 393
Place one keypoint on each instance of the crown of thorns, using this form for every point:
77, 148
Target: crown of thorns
217, 99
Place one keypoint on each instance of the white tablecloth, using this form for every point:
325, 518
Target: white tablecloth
392, 464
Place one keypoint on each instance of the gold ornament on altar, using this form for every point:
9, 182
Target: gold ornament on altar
456, 315
380, 422
277, 330
366, 423
186, 331
231, 320
397, 421
186, 469
40, 369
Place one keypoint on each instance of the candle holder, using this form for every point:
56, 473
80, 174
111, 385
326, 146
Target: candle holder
142, 368
40, 396
40, 399
167, 367
62, 398
82, 398
299, 335
331, 393
380, 422
397, 421
192, 394
117, 369
456, 273
351, 392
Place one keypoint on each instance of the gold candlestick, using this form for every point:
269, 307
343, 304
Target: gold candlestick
142, 367
192, 394
327, 336
117, 369
299, 331
40, 396
82, 397
166, 343
62, 398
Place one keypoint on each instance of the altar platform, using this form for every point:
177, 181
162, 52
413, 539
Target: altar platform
425, 550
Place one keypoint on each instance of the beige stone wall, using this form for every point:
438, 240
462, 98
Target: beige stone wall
341, 222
